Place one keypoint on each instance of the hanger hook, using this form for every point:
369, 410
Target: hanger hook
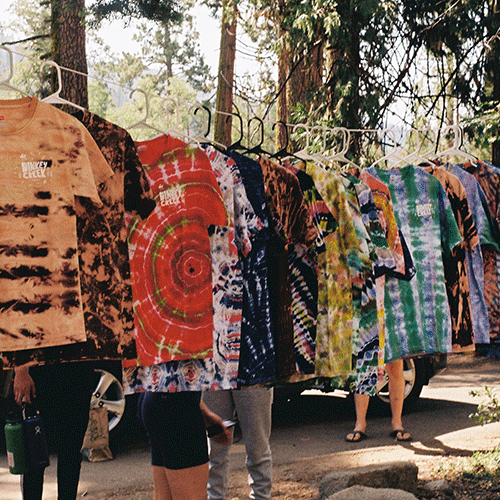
346, 139
307, 131
146, 105
284, 148
175, 102
240, 119
58, 72
322, 129
197, 107
11, 64
261, 128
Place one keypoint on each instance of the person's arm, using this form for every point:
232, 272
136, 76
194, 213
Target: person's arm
211, 419
24, 387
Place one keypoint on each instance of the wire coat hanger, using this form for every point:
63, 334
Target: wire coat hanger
55, 98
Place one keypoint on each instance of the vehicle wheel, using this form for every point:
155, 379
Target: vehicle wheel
414, 375
108, 394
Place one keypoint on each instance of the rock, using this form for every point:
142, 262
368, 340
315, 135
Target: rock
440, 485
364, 492
395, 475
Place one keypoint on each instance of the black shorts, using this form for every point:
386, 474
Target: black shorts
175, 427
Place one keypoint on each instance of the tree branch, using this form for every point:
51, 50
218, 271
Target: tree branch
29, 39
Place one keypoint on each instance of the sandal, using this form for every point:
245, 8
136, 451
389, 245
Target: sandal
399, 435
356, 436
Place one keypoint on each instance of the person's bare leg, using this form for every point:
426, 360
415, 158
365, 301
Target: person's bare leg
361, 402
394, 371
160, 483
188, 484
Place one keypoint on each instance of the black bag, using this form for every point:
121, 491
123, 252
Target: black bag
37, 453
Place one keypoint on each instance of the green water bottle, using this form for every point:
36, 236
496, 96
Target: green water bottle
15, 444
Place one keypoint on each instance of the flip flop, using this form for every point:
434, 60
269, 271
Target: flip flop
357, 436
400, 432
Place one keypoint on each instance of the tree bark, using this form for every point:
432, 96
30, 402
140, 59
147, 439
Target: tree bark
227, 56
492, 73
282, 112
342, 76
69, 49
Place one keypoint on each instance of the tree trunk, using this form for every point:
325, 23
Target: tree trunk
69, 49
282, 112
227, 55
492, 73
342, 78
169, 63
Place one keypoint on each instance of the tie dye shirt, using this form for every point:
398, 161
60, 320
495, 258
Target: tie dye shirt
455, 271
343, 251
383, 203
226, 244
371, 351
47, 158
366, 328
220, 371
257, 354
292, 224
417, 313
170, 257
303, 265
488, 177
474, 260
103, 253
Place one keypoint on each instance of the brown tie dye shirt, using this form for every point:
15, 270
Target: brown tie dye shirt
103, 251
292, 223
47, 158
455, 271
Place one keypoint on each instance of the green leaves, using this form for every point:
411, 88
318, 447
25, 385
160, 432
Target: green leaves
488, 410
153, 10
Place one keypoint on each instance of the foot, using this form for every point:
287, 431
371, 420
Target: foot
355, 436
400, 435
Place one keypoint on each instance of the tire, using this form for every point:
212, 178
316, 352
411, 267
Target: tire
415, 376
108, 393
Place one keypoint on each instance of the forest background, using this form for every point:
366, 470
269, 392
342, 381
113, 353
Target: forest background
428, 70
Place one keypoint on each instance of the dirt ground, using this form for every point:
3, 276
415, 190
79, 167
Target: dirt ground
298, 479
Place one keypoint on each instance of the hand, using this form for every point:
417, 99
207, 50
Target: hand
210, 418
24, 387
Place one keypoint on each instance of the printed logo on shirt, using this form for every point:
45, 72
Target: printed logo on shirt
36, 169
424, 209
173, 195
